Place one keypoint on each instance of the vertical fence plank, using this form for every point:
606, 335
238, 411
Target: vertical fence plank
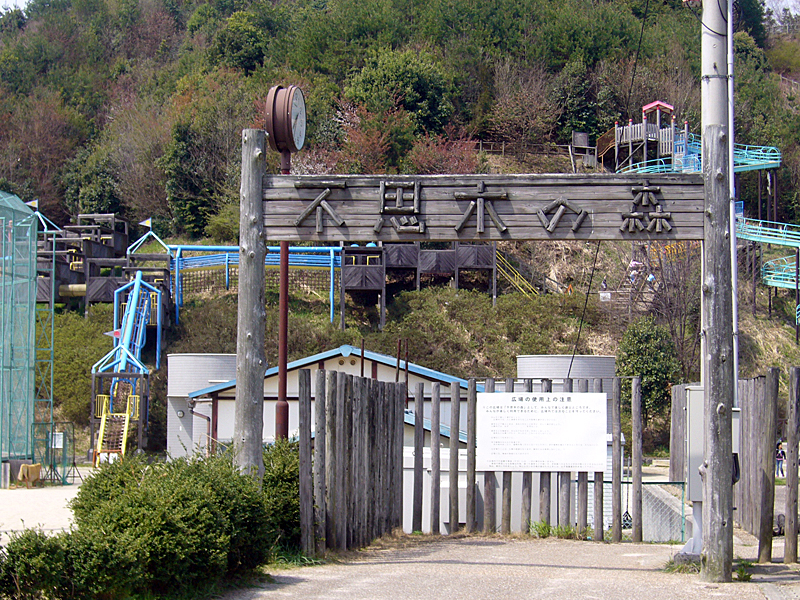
527, 484
356, 467
436, 464
340, 478
597, 524
306, 475
331, 457
401, 396
489, 510
636, 457
383, 440
505, 514
770, 433
472, 403
677, 436
792, 430
419, 433
544, 478
348, 462
319, 462
616, 462
372, 457
455, 406
583, 482
564, 495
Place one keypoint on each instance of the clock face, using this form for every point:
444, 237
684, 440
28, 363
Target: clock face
298, 118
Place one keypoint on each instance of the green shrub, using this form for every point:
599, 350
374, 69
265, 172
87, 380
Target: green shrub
178, 526
34, 566
282, 490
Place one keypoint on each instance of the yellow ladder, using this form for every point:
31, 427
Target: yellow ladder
113, 434
514, 277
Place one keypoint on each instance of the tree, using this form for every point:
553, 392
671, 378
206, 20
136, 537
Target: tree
647, 351
410, 80
239, 44
525, 110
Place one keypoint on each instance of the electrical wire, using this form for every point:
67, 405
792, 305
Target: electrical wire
636, 58
585, 303
700, 19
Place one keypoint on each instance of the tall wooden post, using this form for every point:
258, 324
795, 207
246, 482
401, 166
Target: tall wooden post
792, 431
719, 377
248, 420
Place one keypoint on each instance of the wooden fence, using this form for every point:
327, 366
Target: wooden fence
351, 493
754, 493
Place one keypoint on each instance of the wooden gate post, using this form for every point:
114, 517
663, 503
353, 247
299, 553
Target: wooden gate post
251, 361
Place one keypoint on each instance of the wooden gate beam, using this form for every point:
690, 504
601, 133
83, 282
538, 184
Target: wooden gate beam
454, 208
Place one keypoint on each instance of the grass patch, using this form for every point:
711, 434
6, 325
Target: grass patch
742, 570
541, 529
681, 567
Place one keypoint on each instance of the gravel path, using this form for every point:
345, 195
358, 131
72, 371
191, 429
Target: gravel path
492, 567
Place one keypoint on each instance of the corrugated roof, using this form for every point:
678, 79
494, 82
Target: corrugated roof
13, 203
345, 351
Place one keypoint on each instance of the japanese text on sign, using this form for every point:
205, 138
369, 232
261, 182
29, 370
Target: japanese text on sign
537, 431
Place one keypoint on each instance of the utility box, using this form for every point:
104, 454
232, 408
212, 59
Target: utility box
695, 440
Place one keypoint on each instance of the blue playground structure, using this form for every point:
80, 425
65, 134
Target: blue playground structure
676, 150
120, 380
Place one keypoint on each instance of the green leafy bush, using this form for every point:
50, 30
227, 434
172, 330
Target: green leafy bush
282, 490
178, 526
33, 564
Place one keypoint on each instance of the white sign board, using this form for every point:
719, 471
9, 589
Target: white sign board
540, 431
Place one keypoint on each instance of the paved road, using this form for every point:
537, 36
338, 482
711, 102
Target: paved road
490, 567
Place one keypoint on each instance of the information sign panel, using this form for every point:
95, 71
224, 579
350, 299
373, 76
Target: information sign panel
539, 431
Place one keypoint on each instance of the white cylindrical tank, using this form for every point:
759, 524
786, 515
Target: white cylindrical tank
557, 366
191, 372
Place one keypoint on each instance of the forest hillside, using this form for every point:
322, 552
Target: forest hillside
137, 106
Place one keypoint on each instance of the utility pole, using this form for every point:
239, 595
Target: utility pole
719, 377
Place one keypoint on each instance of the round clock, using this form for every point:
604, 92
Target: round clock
286, 118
